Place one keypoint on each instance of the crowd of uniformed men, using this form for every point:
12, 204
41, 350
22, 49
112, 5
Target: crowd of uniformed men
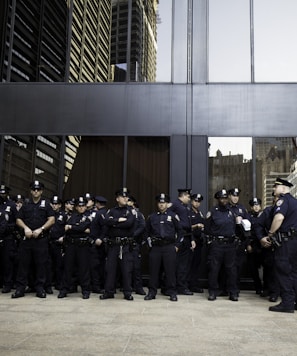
80, 242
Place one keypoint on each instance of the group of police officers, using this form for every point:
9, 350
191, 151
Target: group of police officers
80, 242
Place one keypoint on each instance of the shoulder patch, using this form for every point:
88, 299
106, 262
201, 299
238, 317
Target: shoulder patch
279, 202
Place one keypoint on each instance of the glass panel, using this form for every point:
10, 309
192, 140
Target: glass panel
275, 28
164, 25
229, 41
230, 166
276, 157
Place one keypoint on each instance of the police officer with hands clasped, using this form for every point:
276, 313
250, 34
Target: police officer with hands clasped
164, 232
35, 218
283, 235
220, 225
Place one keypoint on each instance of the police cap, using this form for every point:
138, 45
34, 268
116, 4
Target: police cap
89, 196
221, 194
280, 181
70, 201
56, 200
100, 199
255, 201
184, 190
4, 189
81, 201
18, 198
234, 191
36, 184
123, 192
197, 197
163, 198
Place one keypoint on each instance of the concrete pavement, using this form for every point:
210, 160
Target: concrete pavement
191, 326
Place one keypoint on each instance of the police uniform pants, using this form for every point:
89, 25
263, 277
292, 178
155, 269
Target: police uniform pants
98, 257
35, 251
8, 253
136, 273
126, 266
55, 266
183, 265
195, 265
77, 259
166, 255
221, 254
286, 272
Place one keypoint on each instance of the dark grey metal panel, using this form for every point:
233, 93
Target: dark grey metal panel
266, 110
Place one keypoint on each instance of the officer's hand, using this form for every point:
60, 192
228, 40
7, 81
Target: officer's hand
36, 233
67, 227
61, 239
122, 219
28, 233
249, 248
265, 242
193, 245
98, 242
176, 249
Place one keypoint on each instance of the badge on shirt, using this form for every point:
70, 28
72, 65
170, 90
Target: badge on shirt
169, 218
42, 204
279, 202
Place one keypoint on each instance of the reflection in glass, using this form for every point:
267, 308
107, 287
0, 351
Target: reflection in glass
275, 28
229, 41
230, 166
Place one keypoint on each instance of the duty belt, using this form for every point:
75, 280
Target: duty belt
79, 241
159, 241
223, 239
120, 241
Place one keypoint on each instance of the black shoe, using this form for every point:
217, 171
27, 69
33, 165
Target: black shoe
128, 297
149, 297
62, 294
17, 294
272, 299
49, 290
233, 298
85, 295
279, 308
212, 297
173, 298
140, 291
6, 289
29, 290
106, 296
185, 292
41, 294
197, 290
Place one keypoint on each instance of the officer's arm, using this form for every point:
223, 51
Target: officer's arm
276, 223
27, 231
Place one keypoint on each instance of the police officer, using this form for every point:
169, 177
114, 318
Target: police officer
8, 237
118, 232
241, 213
270, 284
163, 229
185, 253
56, 234
35, 219
220, 225
254, 248
284, 228
98, 255
136, 250
77, 249
197, 220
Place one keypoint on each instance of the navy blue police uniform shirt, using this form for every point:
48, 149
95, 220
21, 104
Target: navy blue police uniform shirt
79, 224
114, 228
97, 223
58, 229
220, 221
239, 210
184, 213
197, 218
9, 210
287, 206
35, 215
